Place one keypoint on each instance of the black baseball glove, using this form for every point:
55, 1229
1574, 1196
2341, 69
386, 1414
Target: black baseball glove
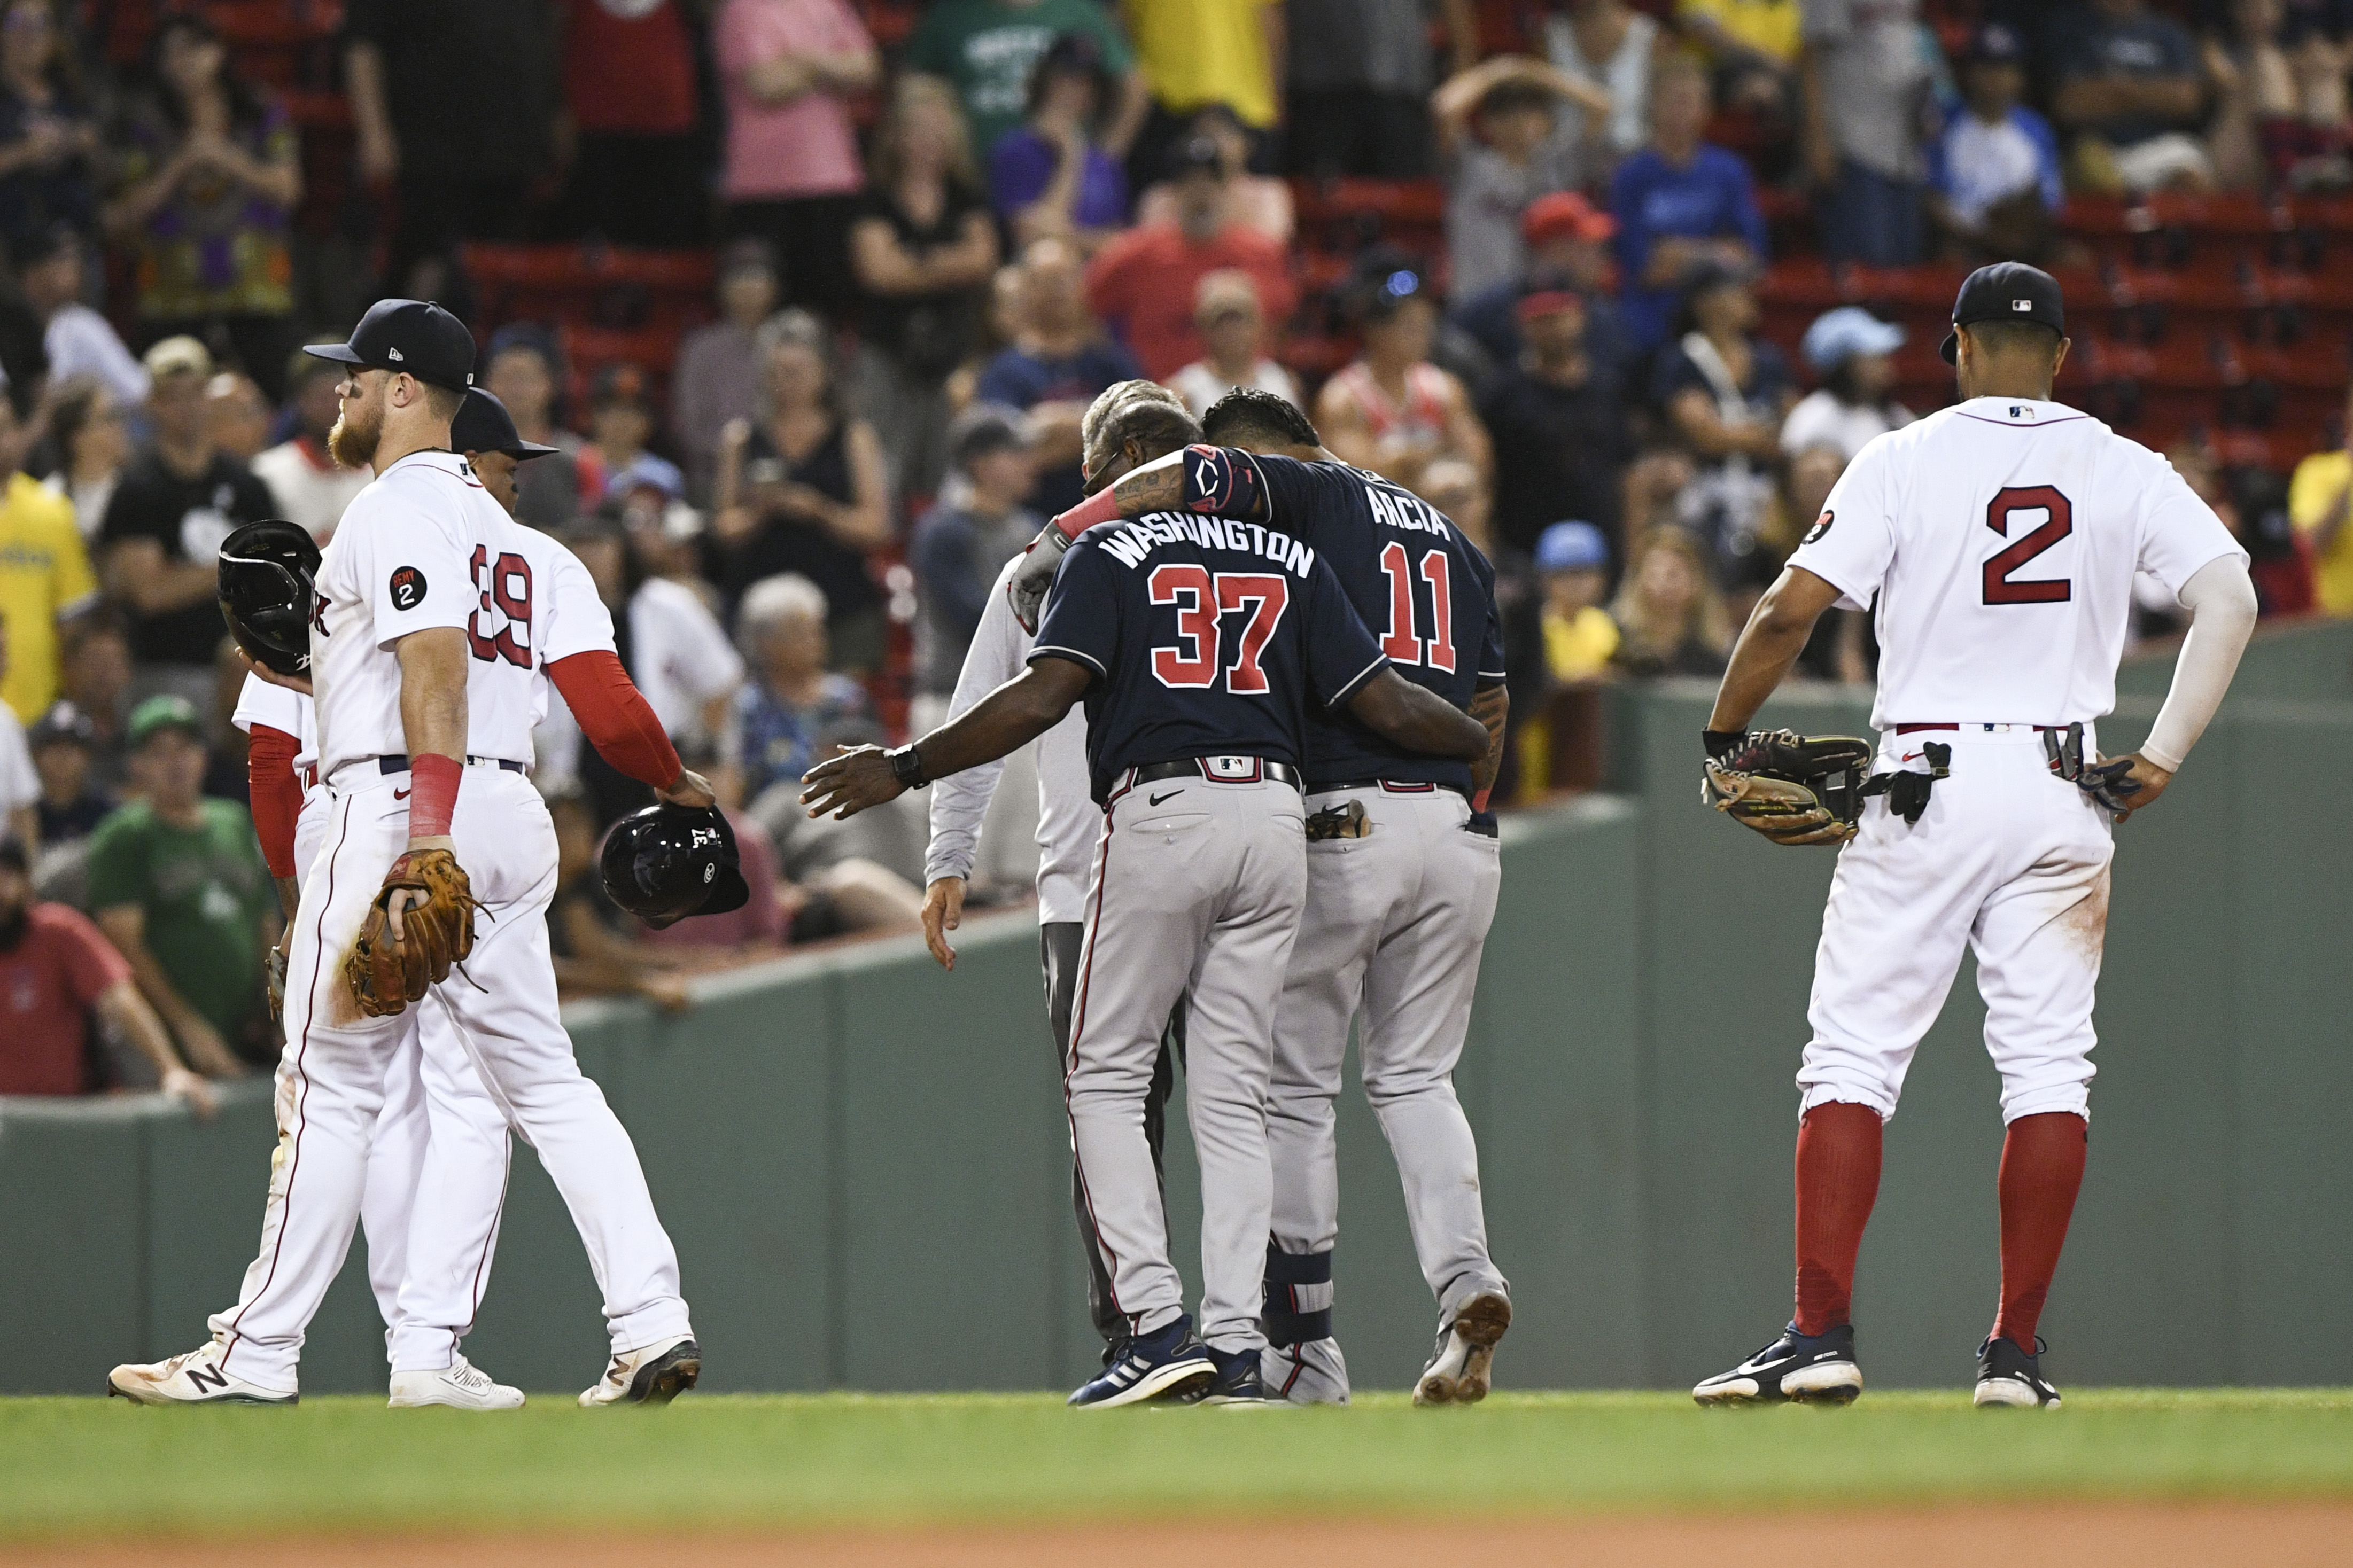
1792, 788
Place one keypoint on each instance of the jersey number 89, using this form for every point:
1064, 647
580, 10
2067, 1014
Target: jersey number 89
1200, 600
505, 587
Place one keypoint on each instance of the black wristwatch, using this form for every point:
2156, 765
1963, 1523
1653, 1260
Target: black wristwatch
906, 766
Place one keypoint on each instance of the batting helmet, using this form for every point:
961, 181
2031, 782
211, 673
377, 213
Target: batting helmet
266, 575
667, 862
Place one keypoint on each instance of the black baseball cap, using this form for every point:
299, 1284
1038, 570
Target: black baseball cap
416, 336
2006, 291
483, 425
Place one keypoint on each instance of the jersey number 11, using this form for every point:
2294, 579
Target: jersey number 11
1400, 643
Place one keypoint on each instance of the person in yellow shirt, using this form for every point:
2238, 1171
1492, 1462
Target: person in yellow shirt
45, 575
1752, 45
2319, 498
1573, 560
1194, 53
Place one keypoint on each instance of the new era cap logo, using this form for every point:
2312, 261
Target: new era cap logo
394, 354
2014, 304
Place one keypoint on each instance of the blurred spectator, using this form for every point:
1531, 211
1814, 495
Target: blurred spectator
627, 126
90, 436
1727, 393
55, 970
648, 498
620, 422
1253, 201
1048, 176
1608, 45
160, 545
452, 102
209, 180
45, 576
311, 487
1679, 202
921, 248
177, 883
2132, 92
599, 949
20, 785
1994, 182
1495, 139
1459, 490
1196, 53
2282, 567
1359, 92
1392, 411
788, 69
77, 339
1142, 282
1669, 614
1059, 363
986, 49
1559, 419
717, 375
1566, 238
72, 804
97, 682
1847, 349
793, 712
1581, 639
803, 489
49, 137
2319, 498
522, 370
238, 417
1869, 68
2256, 95
1233, 337
1752, 45
962, 543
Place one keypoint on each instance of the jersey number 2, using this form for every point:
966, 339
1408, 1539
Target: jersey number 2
505, 586
1200, 600
1401, 643
2001, 587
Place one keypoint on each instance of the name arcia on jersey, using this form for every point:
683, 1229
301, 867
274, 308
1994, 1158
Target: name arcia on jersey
1133, 542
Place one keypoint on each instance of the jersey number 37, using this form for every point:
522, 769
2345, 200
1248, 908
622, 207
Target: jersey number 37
1201, 601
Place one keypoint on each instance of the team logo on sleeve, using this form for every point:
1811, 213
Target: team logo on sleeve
408, 587
1821, 526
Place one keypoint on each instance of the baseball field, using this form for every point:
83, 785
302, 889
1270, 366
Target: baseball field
2120, 1476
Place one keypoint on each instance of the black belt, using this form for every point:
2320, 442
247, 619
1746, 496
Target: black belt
400, 764
1391, 786
1217, 769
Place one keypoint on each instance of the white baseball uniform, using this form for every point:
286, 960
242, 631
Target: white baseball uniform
425, 547
1998, 541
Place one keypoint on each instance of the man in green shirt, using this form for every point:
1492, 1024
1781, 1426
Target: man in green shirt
177, 883
988, 47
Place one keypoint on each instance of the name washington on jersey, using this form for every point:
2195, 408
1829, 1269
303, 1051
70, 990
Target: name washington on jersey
1131, 541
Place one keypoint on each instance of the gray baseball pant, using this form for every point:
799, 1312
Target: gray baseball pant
1195, 893
1394, 924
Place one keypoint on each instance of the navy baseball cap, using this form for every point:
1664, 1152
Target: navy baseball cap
483, 425
2006, 291
415, 336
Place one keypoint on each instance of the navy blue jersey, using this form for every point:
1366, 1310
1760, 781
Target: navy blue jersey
1206, 635
1426, 591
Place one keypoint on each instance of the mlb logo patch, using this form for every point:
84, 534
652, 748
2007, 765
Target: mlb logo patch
1233, 770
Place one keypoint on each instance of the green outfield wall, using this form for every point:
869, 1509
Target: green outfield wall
864, 1162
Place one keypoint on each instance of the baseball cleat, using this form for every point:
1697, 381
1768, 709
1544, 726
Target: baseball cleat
1817, 1369
1312, 1372
1238, 1381
196, 1377
461, 1384
1168, 1364
1458, 1373
2009, 1375
651, 1374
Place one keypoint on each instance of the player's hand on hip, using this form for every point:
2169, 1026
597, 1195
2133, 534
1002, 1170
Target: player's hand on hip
942, 912
848, 783
301, 683
690, 789
2136, 785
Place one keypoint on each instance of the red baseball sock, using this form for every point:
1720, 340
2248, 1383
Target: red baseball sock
2042, 1170
1837, 1181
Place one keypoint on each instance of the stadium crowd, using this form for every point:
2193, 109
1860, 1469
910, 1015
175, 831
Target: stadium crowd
809, 296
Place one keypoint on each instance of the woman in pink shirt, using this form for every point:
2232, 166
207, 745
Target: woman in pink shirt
793, 173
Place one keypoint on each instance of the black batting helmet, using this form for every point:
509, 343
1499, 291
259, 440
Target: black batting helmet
267, 572
667, 862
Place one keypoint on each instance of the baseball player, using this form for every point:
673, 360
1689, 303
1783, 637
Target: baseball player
1067, 819
1199, 643
431, 626
1996, 542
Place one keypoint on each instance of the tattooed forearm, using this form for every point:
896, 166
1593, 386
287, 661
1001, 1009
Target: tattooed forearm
1490, 708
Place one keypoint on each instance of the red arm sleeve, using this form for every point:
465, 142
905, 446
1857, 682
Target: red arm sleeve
615, 716
276, 796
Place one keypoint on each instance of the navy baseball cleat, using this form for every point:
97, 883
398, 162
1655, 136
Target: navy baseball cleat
1169, 1362
1239, 1380
1818, 1369
2009, 1375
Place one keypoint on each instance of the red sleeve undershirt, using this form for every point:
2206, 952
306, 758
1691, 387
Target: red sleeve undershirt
276, 796
614, 715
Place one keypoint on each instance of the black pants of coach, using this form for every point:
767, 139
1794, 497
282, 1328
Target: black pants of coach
1058, 943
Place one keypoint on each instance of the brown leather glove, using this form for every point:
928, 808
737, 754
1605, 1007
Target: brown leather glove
386, 975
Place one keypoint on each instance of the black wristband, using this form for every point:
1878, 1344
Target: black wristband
1722, 742
907, 765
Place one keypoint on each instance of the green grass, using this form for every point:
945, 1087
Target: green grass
339, 1463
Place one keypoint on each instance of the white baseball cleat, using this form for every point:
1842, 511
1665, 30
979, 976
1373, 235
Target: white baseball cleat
651, 1374
461, 1385
1312, 1372
1459, 1374
195, 1377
